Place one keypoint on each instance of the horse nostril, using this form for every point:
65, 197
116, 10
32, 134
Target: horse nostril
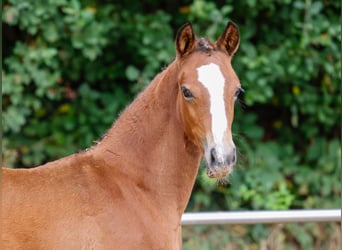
218, 158
231, 159
213, 156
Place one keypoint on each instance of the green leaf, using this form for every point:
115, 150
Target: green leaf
132, 73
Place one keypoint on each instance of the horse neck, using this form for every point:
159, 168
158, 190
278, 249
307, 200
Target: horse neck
147, 145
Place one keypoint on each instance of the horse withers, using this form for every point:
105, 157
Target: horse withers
130, 190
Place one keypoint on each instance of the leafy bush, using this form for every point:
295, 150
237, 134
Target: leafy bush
66, 70
69, 68
287, 126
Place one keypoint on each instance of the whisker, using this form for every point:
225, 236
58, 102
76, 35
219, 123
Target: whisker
222, 182
225, 181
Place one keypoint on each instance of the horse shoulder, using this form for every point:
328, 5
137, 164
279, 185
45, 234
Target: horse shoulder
39, 199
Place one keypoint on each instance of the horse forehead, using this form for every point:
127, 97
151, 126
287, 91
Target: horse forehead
211, 76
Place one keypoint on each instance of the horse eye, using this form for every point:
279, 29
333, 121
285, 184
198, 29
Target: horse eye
239, 91
187, 93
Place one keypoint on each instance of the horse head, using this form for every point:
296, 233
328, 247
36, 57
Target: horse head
208, 88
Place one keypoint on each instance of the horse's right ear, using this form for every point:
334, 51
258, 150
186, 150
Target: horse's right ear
185, 40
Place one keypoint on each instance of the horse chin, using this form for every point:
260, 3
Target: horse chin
219, 172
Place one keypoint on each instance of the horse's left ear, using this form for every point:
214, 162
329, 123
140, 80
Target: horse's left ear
230, 39
185, 40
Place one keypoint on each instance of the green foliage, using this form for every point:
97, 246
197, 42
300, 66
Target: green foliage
69, 71
69, 68
287, 126
291, 236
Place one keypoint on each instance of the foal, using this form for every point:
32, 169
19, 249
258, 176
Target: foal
130, 190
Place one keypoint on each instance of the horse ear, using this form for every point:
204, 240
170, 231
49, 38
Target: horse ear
230, 39
185, 39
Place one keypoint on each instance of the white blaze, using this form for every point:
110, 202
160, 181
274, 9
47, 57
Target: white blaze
211, 77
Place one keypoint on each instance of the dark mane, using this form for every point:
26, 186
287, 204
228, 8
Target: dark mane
204, 45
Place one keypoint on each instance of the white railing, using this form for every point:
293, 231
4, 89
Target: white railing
261, 217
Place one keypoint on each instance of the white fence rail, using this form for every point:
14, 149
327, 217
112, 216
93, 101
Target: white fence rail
261, 217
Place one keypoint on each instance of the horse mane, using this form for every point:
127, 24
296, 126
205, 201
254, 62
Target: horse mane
204, 45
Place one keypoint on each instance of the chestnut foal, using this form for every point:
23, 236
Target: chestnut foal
130, 190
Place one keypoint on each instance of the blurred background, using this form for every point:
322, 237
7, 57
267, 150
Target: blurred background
70, 67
